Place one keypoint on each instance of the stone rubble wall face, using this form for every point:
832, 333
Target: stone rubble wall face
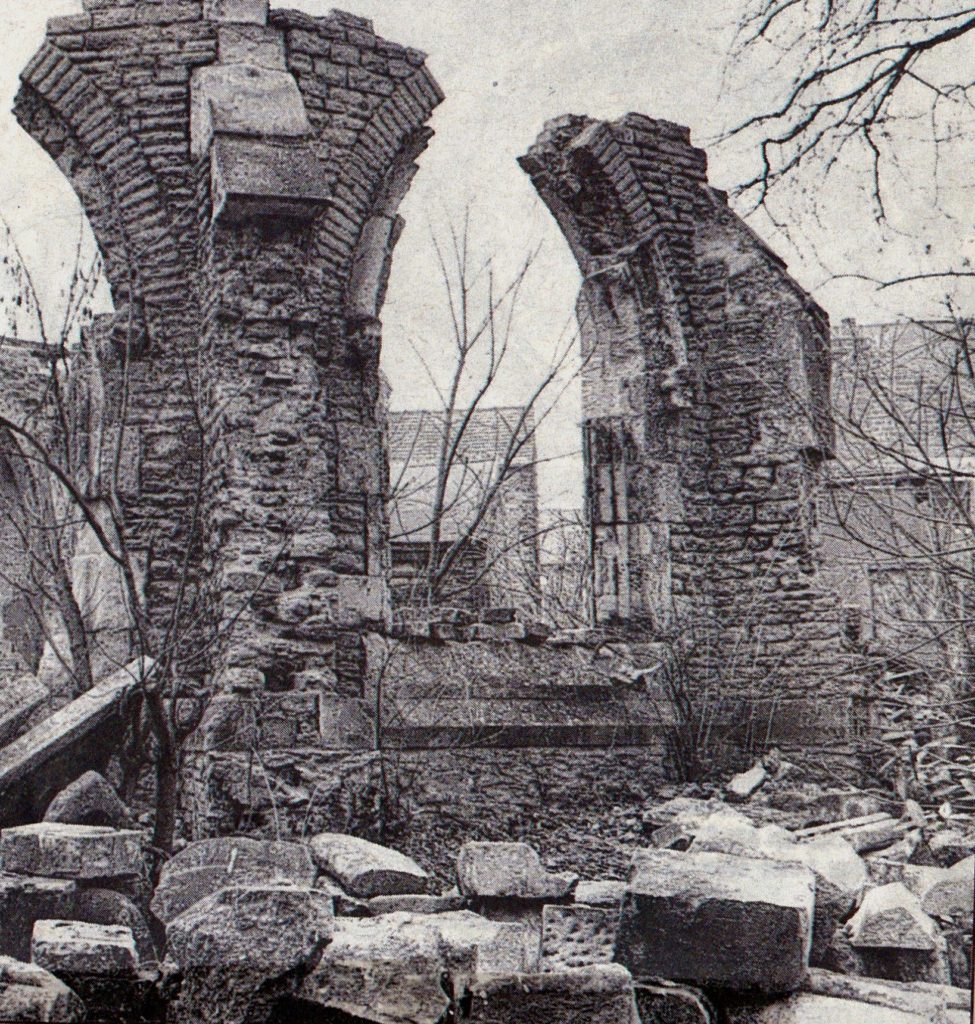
706, 402
269, 318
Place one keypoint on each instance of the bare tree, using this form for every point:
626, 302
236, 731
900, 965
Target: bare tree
457, 496
880, 93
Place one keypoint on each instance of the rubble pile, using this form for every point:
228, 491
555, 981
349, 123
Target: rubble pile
725, 917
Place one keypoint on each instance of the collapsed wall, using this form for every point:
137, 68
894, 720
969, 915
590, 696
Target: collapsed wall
706, 417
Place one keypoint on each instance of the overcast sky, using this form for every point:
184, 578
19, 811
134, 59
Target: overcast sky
506, 67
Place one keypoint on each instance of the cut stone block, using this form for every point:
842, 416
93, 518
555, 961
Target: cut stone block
240, 853
806, 1008
367, 869
239, 950
29, 993
577, 936
89, 800
600, 893
952, 893
71, 851
23, 902
672, 1004
105, 906
416, 904
890, 917
743, 785
244, 99
251, 44
391, 968
602, 994
79, 948
713, 919
207, 866
677, 821
489, 870
20, 698
841, 874
249, 12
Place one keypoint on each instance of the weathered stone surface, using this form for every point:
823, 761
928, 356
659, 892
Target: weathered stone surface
105, 906
577, 936
840, 805
950, 894
757, 915
206, 866
366, 869
251, 12
744, 784
672, 1004
509, 870
29, 993
890, 963
238, 99
601, 994
890, 917
390, 969
913, 997
22, 696
89, 800
950, 846
841, 874
71, 851
75, 947
46, 757
240, 853
600, 893
416, 904
24, 901
805, 1008
241, 949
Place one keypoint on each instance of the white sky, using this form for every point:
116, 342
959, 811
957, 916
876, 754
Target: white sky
506, 67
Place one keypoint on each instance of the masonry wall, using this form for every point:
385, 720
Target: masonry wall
706, 418
241, 171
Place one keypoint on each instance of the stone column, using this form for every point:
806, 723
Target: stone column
706, 411
242, 169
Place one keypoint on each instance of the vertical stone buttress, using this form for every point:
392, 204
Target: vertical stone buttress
706, 415
241, 169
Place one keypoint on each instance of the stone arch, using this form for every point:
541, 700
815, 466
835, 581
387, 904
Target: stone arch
77, 124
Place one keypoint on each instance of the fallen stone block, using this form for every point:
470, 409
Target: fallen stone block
179, 890
602, 994
76, 947
600, 893
889, 963
105, 906
89, 800
367, 869
950, 846
912, 997
890, 917
577, 936
743, 785
841, 874
674, 824
415, 904
840, 805
756, 915
805, 1008
29, 993
667, 1003
952, 893
238, 951
23, 902
391, 969
491, 870
239, 854
71, 851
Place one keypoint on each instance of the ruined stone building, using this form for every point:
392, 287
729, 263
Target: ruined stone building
241, 169
489, 506
894, 512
